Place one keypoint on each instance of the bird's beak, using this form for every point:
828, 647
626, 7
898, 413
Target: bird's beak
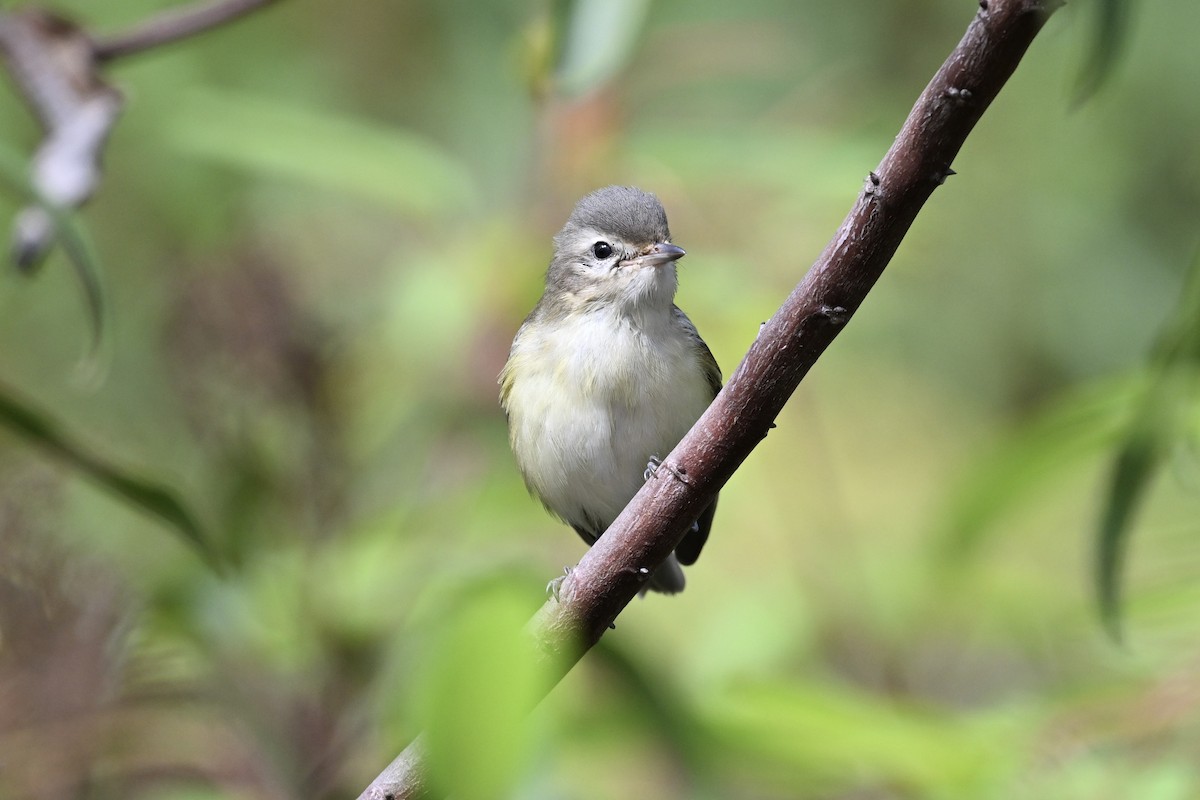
656, 255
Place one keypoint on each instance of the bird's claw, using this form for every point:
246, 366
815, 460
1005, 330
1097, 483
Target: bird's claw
655, 463
554, 587
651, 468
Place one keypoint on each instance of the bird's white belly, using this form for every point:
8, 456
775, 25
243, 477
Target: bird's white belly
598, 404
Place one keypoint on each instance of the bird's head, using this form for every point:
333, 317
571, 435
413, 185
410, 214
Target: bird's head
616, 249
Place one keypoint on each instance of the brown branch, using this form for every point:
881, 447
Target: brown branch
50, 61
616, 567
171, 26
55, 64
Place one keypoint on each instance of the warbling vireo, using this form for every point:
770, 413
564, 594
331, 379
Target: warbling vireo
606, 374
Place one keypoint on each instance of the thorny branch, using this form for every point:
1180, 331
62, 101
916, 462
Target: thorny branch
55, 65
615, 568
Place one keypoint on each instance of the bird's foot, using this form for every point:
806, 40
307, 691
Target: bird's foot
554, 587
655, 464
651, 468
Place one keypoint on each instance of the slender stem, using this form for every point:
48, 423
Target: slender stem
171, 26
654, 522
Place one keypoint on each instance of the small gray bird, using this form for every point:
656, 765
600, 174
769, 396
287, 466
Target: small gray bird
606, 374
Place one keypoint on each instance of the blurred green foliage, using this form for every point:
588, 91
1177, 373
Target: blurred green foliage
320, 228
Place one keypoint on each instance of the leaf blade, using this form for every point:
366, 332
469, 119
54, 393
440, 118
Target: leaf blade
20, 417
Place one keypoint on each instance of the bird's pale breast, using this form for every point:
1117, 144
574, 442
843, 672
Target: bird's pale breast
591, 401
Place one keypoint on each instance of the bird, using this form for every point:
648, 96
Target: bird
607, 374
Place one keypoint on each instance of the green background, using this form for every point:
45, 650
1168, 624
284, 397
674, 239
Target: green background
319, 229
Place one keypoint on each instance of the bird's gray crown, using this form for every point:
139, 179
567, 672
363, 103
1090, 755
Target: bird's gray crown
629, 214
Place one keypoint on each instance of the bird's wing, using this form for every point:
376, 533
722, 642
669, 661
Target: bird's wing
693, 542
712, 372
588, 537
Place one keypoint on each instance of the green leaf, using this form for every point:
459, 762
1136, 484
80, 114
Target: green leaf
72, 235
155, 499
598, 41
392, 166
85, 260
1162, 417
761, 156
1112, 25
658, 702
1136, 464
836, 739
483, 680
1029, 462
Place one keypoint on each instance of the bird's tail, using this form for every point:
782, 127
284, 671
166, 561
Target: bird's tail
668, 578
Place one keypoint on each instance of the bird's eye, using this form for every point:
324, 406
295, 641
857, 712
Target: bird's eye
602, 249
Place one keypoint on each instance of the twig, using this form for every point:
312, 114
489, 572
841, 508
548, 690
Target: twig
650, 527
50, 60
171, 26
56, 66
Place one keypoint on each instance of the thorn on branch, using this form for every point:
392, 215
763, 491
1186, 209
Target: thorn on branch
872, 184
679, 471
941, 177
959, 96
835, 315
656, 463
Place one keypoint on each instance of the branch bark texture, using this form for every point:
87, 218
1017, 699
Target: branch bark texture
617, 566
